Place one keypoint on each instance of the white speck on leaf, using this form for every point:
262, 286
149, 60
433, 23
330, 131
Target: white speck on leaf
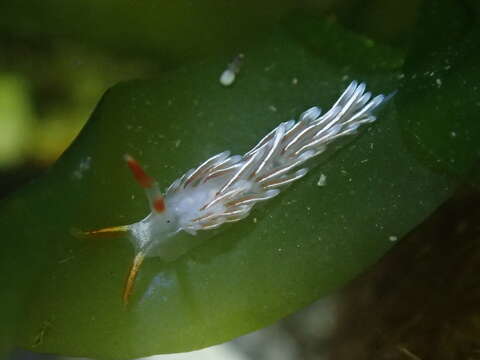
269, 67
322, 181
82, 168
67, 259
228, 76
392, 238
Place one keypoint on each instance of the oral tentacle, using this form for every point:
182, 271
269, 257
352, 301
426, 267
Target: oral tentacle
108, 232
132, 275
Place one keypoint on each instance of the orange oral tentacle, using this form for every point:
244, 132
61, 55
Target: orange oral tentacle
132, 275
108, 232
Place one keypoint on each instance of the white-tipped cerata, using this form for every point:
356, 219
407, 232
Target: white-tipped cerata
226, 187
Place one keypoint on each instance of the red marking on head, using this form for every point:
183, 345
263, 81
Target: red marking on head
159, 204
140, 175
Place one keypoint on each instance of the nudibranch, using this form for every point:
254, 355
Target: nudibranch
225, 187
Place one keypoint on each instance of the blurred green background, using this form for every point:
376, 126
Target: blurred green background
58, 58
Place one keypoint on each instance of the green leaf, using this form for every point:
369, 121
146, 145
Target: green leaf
305, 243
439, 99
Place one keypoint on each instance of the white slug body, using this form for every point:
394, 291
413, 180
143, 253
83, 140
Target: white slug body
226, 187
